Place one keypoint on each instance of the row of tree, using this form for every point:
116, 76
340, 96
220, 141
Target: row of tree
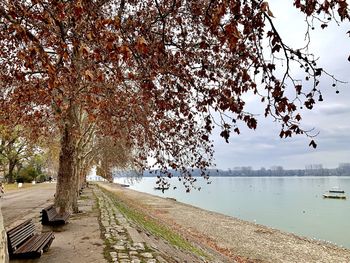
119, 81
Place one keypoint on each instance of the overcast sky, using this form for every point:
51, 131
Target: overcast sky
263, 147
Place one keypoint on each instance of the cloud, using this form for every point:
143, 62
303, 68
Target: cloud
334, 109
331, 118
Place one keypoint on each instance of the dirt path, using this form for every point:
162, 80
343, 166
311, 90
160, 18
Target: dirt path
21, 204
240, 240
79, 241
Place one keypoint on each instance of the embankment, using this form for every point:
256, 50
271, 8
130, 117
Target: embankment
237, 239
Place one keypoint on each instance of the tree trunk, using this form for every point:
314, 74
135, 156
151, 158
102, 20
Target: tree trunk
66, 187
12, 165
3, 241
76, 189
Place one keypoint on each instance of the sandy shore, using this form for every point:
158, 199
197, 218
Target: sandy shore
238, 240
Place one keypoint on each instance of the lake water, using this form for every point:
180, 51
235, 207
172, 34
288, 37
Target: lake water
291, 204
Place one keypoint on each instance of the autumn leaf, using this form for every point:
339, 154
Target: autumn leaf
89, 75
141, 45
298, 117
84, 50
125, 51
313, 144
266, 8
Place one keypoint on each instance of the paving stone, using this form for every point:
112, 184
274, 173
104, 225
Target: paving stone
133, 253
139, 246
161, 260
114, 256
147, 255
116, 247
123, 255
121, 242
128, 243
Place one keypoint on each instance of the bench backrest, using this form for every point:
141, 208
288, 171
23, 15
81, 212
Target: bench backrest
19, 234
49, 212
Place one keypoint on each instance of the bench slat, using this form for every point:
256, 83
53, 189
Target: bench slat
24, 243
51, 217
19, 227
20, 235
35, 243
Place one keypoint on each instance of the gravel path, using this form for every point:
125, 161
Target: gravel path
240, 240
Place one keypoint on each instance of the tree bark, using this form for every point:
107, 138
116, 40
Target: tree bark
66, 183
3, 241
76, 189
12, 165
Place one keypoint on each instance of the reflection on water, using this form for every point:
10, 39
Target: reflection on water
292, 204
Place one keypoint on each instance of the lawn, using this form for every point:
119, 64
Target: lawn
13, 187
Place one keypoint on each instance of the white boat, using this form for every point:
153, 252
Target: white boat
335, 193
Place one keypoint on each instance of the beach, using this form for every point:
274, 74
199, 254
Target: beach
238, 240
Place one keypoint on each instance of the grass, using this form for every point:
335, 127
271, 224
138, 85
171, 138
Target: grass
107, 245
84, 197
155, 227
13, 187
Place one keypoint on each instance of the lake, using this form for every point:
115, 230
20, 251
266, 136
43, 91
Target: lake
291, 204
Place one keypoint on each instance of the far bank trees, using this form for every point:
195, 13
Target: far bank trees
150, 73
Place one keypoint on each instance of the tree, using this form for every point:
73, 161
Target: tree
14, 149
110, 155
157, 70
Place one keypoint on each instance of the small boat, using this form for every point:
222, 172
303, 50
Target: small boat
335, 193
124, 185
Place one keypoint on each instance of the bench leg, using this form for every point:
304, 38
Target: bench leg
47, 246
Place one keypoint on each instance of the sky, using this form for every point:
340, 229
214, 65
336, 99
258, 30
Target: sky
331, 118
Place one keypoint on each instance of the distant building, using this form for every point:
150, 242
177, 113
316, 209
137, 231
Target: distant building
314, 167
92, 176
344, 169
277, 168
344, 166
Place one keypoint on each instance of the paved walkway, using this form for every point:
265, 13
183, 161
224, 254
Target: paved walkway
126, 243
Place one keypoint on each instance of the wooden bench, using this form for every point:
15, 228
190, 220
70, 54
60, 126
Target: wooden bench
49, 216
24, 243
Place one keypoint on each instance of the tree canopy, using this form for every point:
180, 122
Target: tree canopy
153, 73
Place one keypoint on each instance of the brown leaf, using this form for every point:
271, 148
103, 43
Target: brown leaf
266, 8
141, 45
313, 144
89, 75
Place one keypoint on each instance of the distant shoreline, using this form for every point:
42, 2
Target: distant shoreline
277, 171
257, 176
